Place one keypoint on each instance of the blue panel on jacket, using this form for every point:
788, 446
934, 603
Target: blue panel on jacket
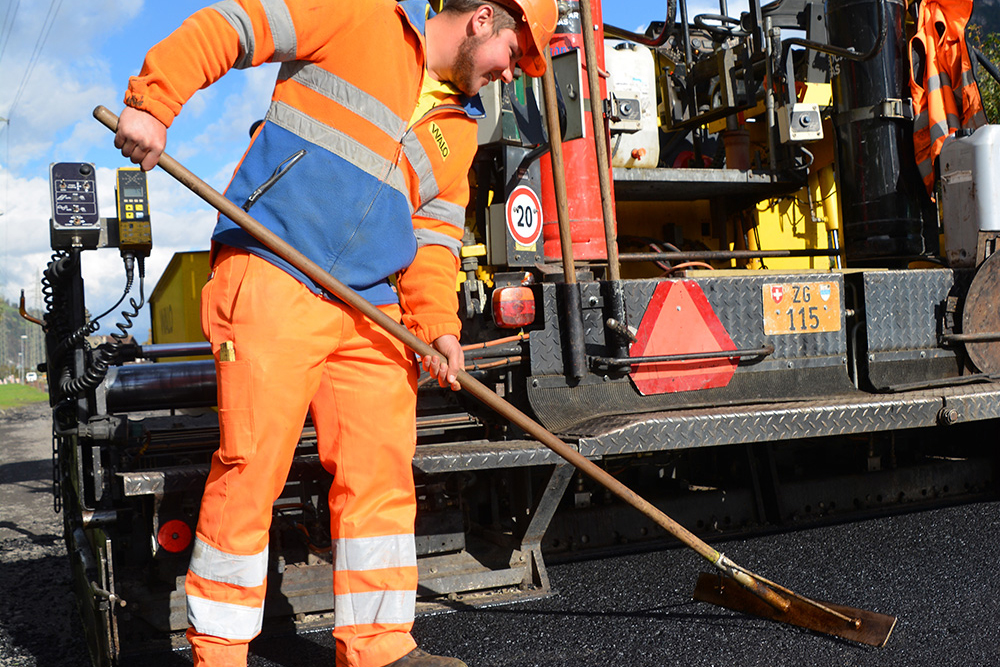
347, 221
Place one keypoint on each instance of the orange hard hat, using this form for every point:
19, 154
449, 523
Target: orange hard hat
540, 17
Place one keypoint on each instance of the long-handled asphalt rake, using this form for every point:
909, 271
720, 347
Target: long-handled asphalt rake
733, 586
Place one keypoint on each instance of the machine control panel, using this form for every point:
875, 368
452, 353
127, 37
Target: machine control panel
800, 124
130, 187
75, 221
132, 199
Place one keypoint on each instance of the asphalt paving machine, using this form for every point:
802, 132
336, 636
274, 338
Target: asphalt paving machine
748, 307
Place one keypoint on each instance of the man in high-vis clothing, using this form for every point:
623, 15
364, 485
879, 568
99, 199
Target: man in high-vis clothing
382, 97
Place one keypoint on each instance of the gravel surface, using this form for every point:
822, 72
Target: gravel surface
934, 570
38, 623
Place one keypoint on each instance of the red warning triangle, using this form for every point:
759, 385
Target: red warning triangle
679, 320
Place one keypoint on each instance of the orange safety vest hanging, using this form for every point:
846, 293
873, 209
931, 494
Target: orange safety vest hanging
945, 93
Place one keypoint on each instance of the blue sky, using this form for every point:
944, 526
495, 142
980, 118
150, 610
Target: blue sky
58, 60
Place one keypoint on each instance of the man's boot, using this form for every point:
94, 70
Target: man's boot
419, 658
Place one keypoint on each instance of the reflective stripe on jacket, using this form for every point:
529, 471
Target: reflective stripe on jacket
945, 94
372, 197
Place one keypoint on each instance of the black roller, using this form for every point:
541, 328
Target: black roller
179, 384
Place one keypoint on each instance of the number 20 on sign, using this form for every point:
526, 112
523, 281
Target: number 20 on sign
524, 216
797, 308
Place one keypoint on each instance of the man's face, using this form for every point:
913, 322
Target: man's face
484, 57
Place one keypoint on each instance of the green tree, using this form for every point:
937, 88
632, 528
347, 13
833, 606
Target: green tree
16, 352
989, 90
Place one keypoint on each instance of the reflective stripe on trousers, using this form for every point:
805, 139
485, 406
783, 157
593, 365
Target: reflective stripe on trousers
295, 351
210, 567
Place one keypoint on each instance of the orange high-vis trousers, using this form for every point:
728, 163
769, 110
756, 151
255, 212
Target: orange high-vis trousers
281, 350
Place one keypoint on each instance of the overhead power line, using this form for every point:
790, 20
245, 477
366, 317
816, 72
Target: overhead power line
50, 19
8, 26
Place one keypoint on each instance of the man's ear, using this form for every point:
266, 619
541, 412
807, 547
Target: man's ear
481, 22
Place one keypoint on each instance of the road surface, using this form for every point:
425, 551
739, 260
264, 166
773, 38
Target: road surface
935, 570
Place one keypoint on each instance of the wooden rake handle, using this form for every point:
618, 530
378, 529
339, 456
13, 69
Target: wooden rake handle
217, 201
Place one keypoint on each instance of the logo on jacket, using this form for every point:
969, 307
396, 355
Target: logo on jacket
439, 140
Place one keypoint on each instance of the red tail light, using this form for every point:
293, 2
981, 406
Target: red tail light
513, 307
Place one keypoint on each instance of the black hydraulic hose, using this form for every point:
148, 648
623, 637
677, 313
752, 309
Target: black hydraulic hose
574, 341
524, 165
836, 51
760, 352
702, 21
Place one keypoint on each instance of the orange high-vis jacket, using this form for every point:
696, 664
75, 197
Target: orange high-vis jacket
374, 196
945, 94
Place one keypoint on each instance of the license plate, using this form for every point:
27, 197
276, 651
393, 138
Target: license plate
797, 308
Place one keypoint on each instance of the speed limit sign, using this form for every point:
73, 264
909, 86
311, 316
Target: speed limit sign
524, 216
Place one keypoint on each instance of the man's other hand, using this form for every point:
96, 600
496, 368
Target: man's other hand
141, 137
446, 371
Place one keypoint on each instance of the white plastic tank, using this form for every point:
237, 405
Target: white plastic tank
632, 73
970, 191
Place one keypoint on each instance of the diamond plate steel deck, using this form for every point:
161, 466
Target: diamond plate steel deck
905, 312
438, 458
482, 455
784, 421
546, 343
802, 366
904, 309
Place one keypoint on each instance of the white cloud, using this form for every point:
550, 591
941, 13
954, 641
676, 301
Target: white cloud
180, 222
202, 102
52, 122
26, 215
63, 83
85, 135
24, 237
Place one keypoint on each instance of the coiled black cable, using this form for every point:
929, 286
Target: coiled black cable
57, 273
70, 341
105, 356
56, 294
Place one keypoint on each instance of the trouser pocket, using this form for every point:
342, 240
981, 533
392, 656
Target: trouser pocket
237, 443
234, 377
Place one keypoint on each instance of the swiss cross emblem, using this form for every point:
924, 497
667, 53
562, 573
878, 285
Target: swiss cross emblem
777, 291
